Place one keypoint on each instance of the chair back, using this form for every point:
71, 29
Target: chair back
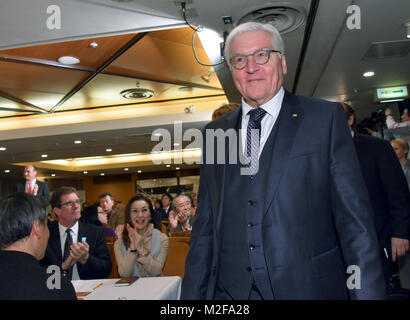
177, 252
164, 226
114, 267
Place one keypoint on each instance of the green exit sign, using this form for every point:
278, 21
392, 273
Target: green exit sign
392, 93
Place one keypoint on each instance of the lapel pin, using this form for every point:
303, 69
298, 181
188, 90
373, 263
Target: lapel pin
295, 115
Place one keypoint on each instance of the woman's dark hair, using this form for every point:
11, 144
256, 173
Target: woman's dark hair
137, 197
18, 211
90, 215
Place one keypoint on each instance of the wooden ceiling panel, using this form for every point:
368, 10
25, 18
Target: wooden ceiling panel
104, 90
167, 59
39, 85
89, 57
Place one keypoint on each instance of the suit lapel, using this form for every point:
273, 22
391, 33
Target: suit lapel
217, 182
282, 141
54, 241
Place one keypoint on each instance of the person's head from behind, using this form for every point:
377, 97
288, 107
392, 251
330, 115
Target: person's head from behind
139, 213
401, 147
23, 224
255, 54
66, 206
30, 172
224, 109
106, 202
182, 204
350, 115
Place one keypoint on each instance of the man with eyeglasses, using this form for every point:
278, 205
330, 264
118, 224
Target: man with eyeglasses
294, 221
180, 217
79, 249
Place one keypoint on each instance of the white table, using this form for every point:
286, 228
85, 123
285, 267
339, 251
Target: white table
149, 288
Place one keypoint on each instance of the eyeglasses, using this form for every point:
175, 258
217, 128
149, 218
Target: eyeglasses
182, 205
71, 203
260, 56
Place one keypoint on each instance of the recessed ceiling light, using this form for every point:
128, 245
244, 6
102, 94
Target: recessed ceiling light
68, 60
85, 172
368, 74
53, 174
177, 168
77, 141
102, 174
7, 171
3, 148
125, 169
108, 150
139, 171
168, 165
44, 155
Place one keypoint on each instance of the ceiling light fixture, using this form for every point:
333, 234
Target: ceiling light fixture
53, 174
44, 155
3, 148
77, 141
102, 174
126, 169
368, 74
137, 93
85, 172
7, 171
108, 150
139, 171
68, 60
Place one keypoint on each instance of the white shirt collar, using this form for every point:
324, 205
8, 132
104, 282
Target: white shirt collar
272, 107
74, 232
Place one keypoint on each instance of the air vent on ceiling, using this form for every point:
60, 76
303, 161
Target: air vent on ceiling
283, 17
137, 93
388, 49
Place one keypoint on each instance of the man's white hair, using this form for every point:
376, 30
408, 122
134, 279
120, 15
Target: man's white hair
277, 40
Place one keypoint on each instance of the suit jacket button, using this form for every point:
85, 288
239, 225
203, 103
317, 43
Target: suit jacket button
250, 225
251, 247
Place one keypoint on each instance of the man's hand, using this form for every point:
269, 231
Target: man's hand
399, 247
405, 116
68, 263
173, 220
79, 251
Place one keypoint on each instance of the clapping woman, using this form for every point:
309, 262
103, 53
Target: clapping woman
142, 249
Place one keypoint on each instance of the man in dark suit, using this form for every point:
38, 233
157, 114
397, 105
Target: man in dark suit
32, 186
163, 213
300, 225
23, 241
388, 191
80, 249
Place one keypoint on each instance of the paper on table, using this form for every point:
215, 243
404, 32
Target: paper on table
85, 285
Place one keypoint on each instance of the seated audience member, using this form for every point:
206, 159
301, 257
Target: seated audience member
95, 215
114, 214
78, 248
181, 217
224, 109
142, 249
23, 241
401, 147
163, 212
